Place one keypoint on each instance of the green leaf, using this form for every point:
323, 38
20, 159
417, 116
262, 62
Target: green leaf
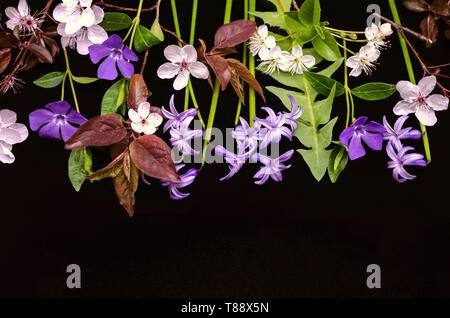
374, 91
328, 47
311, 51
114, 97
271, 18
323, 84
116, 21
84, 80
330, 70
337, 162
282, 5
146, 38
80, 163
320, 31
309, 13
50, 80
285, 43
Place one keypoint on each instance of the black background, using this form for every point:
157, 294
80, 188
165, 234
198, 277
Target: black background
298, 238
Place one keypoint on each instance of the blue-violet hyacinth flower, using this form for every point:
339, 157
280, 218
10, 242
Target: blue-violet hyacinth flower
293, 115
235, 161
272, 167
181, 136
401, 159
394, 135
175, 118
248, 137
372, 134
275, 128
55, 121
186, 179
116, 55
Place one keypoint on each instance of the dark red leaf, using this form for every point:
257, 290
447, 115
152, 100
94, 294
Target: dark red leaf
7, 40
429, 29
51, 31
441, 7
245, 74
41, 52
5, 58
52, 45
234, 33
126, 187
220, 68
236, 83
99, 131
30, 62
154, 158
447, 34
201, 50
224, 51
138, 92
110, 171
118, 148
415, 5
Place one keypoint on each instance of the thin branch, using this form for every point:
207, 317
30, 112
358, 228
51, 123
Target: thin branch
144, 63
401, 27
175, 35
112, 6
295, 5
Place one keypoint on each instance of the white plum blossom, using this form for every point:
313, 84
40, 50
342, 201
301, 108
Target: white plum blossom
417, 99
143, 121
364, 60
85, 36
76, 14
21, 18
183, 62
10, 133
274, 60
377, 34
261, 42
296, 62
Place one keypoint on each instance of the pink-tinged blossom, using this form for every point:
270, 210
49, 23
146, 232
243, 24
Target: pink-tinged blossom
417, 99
275, 128
175, 118
11, 133
183, 62
75, 14
272, 167
396, 134
400, 159
20, 17
143, 121
186, 179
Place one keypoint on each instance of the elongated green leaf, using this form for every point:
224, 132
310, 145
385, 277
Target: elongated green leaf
309, 13
328, 47
282, 5
84, 80
145, 38
337, 162
323, 84
114, 97
271, 18
80, 163
374, 91
115, 21
50, 80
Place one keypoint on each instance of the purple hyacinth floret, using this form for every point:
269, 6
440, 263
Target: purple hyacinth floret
181, 135
248, 137
372, 134
235, 161
175, 118
55, 121
396, 134
186, 179
272, 167
275, 128
400, 159
293, 115
116, 56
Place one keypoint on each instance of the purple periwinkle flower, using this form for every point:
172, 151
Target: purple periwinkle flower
248, 137
116, 55
181, 135
293, 115
372, 134
55, 122
275, 128
186, 179
394, 135
401, 159
272, 167
175, 118
235, 161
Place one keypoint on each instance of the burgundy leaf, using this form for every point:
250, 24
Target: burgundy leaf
126, 188
236, 83
138, 92
51, 31
30, 62
99, 131
7, 40
245, 74
118, 148
5, 58
441, 7
429, 29
224, 51
415, 5
110, 171
52, 44
154, 158
220, 68
41, 52
234, 33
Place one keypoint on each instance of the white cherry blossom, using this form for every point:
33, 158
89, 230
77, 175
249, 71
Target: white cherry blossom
296, 62
261, 42
377, 34
76, 14
364, 60
143, 121
274, 60
21, 17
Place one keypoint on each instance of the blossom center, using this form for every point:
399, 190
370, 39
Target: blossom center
116, 54
60, 119
421, 100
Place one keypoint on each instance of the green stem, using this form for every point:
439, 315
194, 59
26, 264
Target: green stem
191, 42
194, 100
353, 104
133, 23
215, 97
346, 86
346, 38
251, 66
136, 24
345, 48
344, 31
63, 85
412, 78
69, 73
175, 20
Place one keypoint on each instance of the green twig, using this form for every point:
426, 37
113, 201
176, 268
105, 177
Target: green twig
251, 66
136, 23
347, 121
69, 73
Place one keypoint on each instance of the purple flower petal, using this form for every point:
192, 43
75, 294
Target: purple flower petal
114, 41
360, 121
97, 52
374, 141
375, 127
346, 134
126, 68
51, 131
39, 117
355, 149
107, 70
129, 54
67, 131
61, 107
75, 117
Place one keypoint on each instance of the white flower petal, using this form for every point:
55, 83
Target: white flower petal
426, 116
427, 85
190, 53
87, 17
154, 119
7, 117
85, 3
173, 53
96, 34
144, 110
12, 13
386, 29
297, 51
10, 136
61, 13
199, 70
83, 46
264, 54
353, 61
181, 80
6, 156
437, 102
356, 71
148, 129
270, 42
308, 61
21, 129
137, 127
23, 8
404, 108
263, 31
73, 25
12, 23
99, 14
408, 91
168, 70
134, 116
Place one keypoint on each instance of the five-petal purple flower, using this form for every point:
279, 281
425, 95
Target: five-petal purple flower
116, 55
55, 122
372, 134
401, 159
394, 135
186, 179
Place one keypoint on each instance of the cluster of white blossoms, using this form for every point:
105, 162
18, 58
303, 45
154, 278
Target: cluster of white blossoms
271, 55
79, 24
366, 58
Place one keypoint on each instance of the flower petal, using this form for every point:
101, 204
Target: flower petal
404, 108
190, 52
39, 117
426, 116
107, 69
346, 134
61, 107
168, 70
60, 13
97, 52
199, 70
173, 53
437, 102
181, 80
408, 91
21, 129
263, 31
126, 68
75, 117
7, 117
96, 34
114, 41
99, 14
155, 119
51, 131
134, 116
67, 131
137, 127
87, 17
355, 149
6, 156
374, 141
427, 85
375, 127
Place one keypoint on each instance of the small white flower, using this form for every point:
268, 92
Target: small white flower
364, 60
10, 133
274, 60
86, 36
416, 100
21, 17
296, 62
76, 14
142, 121
261, 42
183, 61
377, 34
